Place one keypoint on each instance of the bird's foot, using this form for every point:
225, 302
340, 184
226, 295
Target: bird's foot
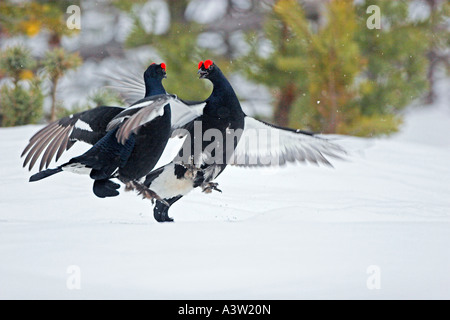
145, 192
128, 187
210, 187
191, 171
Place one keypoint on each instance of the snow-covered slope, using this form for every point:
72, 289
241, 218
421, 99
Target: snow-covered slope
295, 232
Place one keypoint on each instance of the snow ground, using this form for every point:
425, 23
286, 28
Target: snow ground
300, 232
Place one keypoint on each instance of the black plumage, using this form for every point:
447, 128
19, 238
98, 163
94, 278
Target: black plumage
222, 112
129, 159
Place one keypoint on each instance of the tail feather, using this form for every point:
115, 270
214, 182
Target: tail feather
44, 174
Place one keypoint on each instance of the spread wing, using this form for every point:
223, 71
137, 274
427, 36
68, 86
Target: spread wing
88, 126
264, 144
128, 84
144, 111
184, 112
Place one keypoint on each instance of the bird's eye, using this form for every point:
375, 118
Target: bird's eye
163, 66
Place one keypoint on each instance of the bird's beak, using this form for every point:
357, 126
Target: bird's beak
164, 74
202, 73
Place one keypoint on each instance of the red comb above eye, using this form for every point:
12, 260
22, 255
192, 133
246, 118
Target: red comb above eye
163, 65
200, 64
152, 63
208, 63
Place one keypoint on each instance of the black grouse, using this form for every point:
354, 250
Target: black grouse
128, 160
223, 134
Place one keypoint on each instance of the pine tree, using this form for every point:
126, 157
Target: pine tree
395, 73
281, 70
332, 63
56, 63
30, 18
340, 77
21, 100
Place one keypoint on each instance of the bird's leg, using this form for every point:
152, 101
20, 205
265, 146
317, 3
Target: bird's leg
128, 187
208, 187
191, 169
197, 174
145, 192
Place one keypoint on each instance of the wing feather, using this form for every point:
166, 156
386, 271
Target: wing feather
128, 84
88, 126
146, 110
37, 143
40, 147
53, 147
264, 144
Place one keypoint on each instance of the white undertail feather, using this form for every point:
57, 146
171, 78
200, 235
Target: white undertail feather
76, 168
